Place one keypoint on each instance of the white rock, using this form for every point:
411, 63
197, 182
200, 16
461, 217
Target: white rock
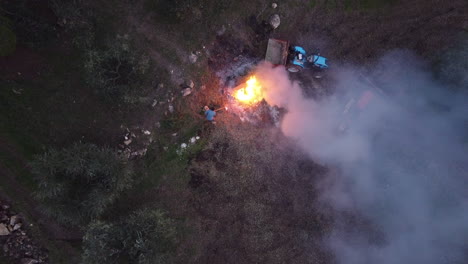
4, 230
274, 5
17, 226
193, 58
155, 102
14, 219
193, 140
221, 31
275, 21
146, 132
183, 145
127, 142
191, 84
197, 137
171, 108
186, 91
175, 134
28, 261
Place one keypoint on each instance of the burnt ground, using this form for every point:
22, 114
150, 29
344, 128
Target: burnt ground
248, 196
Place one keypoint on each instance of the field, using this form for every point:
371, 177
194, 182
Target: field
100, 72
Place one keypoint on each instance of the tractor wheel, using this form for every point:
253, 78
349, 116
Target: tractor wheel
293, 68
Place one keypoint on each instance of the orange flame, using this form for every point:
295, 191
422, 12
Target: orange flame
251, 94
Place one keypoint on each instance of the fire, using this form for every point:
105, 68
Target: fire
251, 94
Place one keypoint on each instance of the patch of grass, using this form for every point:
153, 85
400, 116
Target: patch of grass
166, 158
372, 4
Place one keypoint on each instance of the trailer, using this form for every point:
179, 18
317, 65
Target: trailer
294, 58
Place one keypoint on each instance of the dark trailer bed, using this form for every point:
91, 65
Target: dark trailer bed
277, 51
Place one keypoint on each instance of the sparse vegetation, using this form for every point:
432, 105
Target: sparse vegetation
8, 38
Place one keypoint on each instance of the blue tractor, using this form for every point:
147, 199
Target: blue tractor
294, 58
298, 60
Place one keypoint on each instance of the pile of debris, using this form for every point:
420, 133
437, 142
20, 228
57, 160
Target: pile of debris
135, 143
15, 241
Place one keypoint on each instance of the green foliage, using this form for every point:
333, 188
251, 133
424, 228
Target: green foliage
116, 71
77, 184
147, 236
7, 38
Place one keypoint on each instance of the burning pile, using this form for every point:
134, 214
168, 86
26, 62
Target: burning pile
250, 94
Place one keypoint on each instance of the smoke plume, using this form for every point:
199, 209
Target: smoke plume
401, 164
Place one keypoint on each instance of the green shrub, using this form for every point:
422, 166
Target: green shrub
77, 184
147, 236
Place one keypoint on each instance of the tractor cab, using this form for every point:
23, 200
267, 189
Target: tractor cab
298, 59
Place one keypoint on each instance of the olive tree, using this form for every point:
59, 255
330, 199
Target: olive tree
147, 236
77, 184
116, 71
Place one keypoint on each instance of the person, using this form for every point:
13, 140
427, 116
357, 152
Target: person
209, 113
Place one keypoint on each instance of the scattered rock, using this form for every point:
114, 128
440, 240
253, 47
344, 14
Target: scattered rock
221, 31
28, 261
274, 5
18, 92
14, 219
186, 91
171, 108
127, 142
4, 230
17, 226
275, 21
193, 58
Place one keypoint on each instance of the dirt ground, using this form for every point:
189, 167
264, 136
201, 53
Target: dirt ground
246, 200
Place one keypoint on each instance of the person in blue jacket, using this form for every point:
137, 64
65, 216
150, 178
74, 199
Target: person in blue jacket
209, 113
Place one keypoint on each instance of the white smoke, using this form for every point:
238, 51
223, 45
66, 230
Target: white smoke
403, 162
